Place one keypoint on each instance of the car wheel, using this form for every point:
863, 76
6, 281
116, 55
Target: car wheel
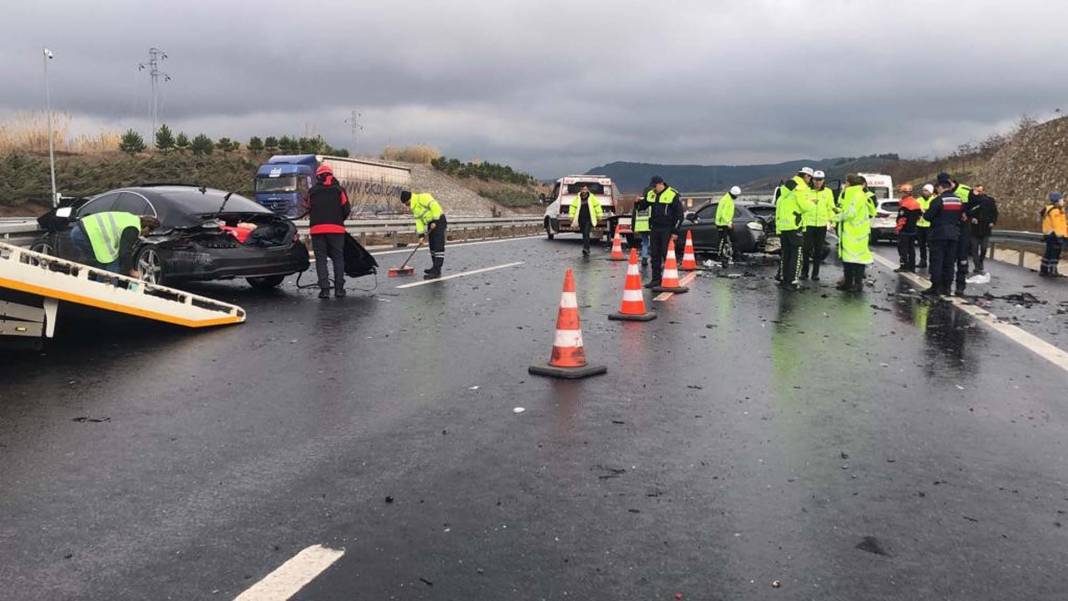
548, 229
150, 266
44, 246
266, 283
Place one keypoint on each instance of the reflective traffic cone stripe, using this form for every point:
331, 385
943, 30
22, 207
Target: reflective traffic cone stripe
567, 345
633, 299
670, 278
617, 248
689, 261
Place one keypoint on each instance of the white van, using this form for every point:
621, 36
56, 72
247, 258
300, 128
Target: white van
566, 188
886, 205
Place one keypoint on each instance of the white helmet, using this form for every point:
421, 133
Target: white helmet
807, 171
928, 188
736, 191
819, 175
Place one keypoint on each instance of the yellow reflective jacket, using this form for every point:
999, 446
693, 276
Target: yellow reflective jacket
595, 209
425, 209
854, 235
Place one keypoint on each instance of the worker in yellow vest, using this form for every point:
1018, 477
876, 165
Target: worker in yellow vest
815, 220
923, 227
585, 213
639, 219
110, 239
430, 222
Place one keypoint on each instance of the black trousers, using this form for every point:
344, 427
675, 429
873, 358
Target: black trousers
726, 245
943, 263
812, 250
790, 261
921, 244
854, 276
330, 246
979, 246
1052, 257
436, 241
658, 247
964, 252
586, 227
906, 251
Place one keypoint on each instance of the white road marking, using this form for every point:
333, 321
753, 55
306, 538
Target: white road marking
459, 275
454, 245
292, 575
1036, 345
684, 281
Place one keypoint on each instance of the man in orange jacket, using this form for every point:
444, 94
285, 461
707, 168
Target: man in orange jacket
908, 214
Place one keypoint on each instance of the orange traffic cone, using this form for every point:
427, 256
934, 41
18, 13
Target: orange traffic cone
689, 261
617, 248
568, 359
669, 281
633, 306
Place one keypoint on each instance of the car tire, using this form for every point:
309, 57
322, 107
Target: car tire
269, 282
44, 245
549, 229
150, 265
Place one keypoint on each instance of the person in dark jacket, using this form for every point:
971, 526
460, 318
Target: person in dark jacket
908, 214
983, 214
944, 214
965, 194
328, 207
665, 219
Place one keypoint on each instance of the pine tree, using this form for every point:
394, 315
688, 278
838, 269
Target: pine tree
223, 144
182, 142
255, 145
132, 142
271, 144
288, 145
164, 138
202, 145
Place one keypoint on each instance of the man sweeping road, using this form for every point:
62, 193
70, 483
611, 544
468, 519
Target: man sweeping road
429, 221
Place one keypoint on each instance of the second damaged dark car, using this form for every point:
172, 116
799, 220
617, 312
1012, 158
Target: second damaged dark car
205, 234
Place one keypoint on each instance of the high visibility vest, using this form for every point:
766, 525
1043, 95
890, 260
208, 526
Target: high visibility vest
962, 192
425, 209
925, 203
104, 231
1053, 221
666, 197
855, 233
641, 219
822, 211
791, 206
595, 209
725, 211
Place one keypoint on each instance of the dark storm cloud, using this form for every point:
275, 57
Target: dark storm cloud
556, 86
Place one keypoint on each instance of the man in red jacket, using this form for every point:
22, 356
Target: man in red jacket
328, 207
908, 214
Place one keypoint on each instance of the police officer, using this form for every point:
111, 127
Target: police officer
855, 233
110, 238
944, 214
815, 221
428, 218
639, 219
665, 218
794, 199
585, 212
923, 227
964, 241
725, 225
328, 208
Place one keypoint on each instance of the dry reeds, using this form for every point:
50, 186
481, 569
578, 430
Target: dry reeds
420, 153
28, 132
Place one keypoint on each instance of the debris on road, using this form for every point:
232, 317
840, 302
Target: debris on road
92, 420
518, 410
873, 545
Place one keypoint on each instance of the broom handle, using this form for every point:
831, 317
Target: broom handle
405, 264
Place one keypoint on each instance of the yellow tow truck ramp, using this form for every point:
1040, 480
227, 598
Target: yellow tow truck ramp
32, 284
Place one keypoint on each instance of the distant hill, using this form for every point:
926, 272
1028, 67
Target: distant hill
633, 177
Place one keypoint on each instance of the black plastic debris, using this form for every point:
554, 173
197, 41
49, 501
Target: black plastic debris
873, 545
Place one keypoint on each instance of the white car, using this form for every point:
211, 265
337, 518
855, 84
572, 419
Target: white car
885, 221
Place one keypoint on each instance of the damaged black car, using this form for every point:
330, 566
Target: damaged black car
204, 234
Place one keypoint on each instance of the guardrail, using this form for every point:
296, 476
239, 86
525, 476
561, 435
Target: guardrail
24, 232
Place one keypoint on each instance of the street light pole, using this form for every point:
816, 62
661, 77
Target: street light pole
48, 108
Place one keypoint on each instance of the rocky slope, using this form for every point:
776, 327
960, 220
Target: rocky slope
1022, 173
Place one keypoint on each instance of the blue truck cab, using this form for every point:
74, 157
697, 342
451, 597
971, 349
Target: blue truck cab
282, 183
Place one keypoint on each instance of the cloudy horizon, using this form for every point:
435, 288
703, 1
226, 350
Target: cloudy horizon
554, 87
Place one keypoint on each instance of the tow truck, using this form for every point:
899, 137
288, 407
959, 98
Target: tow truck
566, 188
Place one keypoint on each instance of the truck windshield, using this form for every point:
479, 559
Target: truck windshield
286, 183
595, 188
880, 192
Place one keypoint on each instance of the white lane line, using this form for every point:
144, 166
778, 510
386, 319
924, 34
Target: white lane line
1036, 345
454, 245
292, 575
459, 275
684, 281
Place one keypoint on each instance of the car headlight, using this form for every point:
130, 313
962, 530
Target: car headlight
755, 226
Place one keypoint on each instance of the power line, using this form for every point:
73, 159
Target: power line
155, 57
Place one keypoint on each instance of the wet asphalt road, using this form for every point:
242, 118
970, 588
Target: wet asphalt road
746, 436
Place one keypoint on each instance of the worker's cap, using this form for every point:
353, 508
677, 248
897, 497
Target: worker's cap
656, 180
928, 188
405, 195
324, 168
818, 175
1055, 196
807, 171
944, 179
906, 188
736, 191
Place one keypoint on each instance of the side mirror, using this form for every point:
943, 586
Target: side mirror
691, 216
64, 212
544, 199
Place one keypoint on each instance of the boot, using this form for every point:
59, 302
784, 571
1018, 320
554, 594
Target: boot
435, 271
339, 293
324, 293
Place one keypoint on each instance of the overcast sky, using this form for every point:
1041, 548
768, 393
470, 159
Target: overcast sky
554, 86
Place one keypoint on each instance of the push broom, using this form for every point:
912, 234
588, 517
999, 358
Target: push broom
405, 269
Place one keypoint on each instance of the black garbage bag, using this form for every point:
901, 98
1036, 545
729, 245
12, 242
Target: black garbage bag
358, 262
